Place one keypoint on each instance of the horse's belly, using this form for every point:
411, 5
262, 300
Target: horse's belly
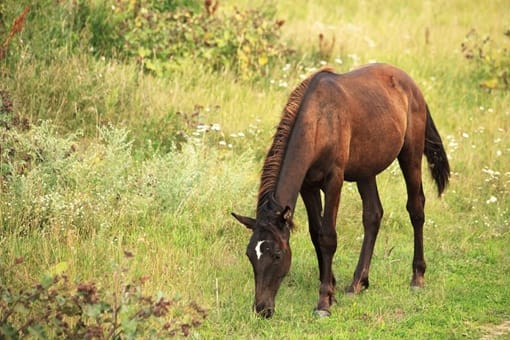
370, 162
375, 145
356, 172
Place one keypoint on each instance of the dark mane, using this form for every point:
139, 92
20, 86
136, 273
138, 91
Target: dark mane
275, 155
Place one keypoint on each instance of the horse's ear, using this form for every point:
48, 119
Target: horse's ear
247, 221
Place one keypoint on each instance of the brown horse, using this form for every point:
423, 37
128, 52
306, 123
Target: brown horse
338, 127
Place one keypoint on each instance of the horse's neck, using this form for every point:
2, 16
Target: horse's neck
292, 174
286, 197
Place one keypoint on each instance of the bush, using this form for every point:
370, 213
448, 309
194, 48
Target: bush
53, 184
57, 307
160, 35
245, 41
492, 62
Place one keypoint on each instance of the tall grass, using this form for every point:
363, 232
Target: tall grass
102, 170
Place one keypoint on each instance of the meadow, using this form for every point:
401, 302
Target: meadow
112, 173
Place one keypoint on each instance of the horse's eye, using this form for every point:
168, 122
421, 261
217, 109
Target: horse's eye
277, 255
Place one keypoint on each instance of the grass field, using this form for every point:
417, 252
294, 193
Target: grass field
102, 185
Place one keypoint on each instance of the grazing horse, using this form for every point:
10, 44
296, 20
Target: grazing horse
336, 128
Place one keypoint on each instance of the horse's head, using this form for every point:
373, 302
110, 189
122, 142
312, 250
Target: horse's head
269, 254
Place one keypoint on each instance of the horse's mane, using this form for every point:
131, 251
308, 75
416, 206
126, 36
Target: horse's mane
275, 155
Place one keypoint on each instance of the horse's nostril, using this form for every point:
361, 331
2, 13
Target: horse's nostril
263, 311
268, 313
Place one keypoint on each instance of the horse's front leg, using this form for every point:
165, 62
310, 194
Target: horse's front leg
311, 196
327, 244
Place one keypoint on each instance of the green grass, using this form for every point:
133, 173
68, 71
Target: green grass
90, 193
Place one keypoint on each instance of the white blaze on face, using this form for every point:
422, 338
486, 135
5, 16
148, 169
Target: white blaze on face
257, 249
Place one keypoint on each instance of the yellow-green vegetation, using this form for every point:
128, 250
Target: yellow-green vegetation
122, 157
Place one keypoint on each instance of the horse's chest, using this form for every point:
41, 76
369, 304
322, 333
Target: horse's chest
315, 175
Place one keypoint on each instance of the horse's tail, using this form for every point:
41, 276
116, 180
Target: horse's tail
436, 155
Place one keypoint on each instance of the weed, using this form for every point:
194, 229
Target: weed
492, 62
246, 41
57, 307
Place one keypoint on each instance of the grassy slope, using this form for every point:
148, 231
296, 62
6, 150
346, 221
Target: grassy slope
187, 243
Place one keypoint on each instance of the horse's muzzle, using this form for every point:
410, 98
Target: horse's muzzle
263, 311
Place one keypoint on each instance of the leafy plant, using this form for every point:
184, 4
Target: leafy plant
5, 108
162, 38
57, 307
493, 62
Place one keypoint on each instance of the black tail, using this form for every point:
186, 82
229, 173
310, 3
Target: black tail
436, 156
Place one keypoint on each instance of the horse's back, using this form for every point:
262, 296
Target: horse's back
376, 106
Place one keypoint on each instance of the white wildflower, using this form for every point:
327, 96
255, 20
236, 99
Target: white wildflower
492, 199
202, 128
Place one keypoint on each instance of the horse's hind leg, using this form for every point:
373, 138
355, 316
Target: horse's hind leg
372, 215
411, 168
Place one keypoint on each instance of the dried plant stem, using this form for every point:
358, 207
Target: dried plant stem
17, 27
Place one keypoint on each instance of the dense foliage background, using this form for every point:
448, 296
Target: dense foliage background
130, 129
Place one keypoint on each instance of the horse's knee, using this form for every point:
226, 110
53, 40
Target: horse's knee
328, 241
372, 218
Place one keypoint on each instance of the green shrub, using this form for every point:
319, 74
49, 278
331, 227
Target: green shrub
492, 62
56, 307
55, 184
161, 35
245, 41
51, 184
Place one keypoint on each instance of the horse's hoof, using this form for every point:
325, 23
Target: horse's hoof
321, 313
417, 282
